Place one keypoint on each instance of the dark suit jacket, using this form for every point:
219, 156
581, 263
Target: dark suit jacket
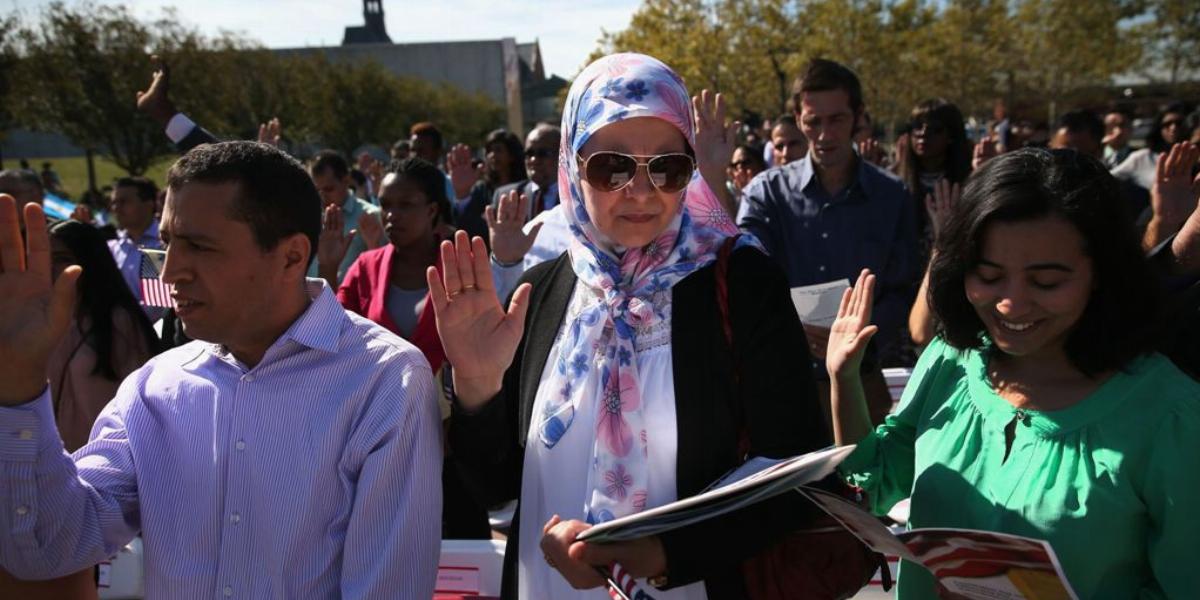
196, 137
519, 187
775, 392
469, 217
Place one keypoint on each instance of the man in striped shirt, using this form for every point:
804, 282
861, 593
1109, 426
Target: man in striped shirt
293, 453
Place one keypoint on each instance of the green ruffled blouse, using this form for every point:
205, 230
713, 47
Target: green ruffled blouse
1113, 483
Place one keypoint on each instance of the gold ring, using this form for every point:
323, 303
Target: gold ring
469, 286
453, 294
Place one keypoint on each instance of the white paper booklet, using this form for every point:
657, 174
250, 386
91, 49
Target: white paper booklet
818, 304
756, 480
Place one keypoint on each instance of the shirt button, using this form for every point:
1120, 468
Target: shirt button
228, 591
240, 445
821, 268
25, 434
22, 510
235, 518
248, 378
824, 236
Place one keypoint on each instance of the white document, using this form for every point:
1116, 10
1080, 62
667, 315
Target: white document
818, 304
755, 481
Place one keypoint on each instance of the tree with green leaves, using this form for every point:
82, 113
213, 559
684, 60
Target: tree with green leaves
1031, 52
1171, 40
8, 61
78, 74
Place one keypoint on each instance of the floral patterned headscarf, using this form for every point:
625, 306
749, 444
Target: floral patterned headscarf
612, 89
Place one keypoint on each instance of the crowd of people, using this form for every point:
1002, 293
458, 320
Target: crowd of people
596, 320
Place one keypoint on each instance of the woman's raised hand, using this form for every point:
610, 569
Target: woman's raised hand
852, 330
940, 203
479, 337
985, 150
715, 141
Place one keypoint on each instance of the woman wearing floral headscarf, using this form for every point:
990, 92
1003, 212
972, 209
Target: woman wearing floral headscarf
608, 388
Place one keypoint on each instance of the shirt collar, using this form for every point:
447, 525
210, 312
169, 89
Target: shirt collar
148, 239
350, 206
551, 190
320, 326
864, 178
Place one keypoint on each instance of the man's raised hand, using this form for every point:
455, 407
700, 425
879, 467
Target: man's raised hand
506, 228
270, 132
156, 101
463, 174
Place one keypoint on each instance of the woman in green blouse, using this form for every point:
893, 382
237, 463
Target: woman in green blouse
1040, 410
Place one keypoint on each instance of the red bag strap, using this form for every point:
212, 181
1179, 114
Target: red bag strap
721, 275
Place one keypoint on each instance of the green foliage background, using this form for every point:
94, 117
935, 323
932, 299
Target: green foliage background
1041, 55
77, 70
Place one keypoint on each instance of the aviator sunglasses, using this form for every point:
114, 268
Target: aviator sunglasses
610, 171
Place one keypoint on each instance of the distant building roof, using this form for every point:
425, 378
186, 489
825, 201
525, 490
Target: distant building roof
512, 75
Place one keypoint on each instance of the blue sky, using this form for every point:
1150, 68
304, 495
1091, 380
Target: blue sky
567, 30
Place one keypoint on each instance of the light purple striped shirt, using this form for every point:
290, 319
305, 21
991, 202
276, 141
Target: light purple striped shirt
315, 474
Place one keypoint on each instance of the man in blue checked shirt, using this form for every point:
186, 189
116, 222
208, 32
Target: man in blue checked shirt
293, 453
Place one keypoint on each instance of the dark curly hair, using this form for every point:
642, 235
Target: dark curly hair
1031, 184
276, 197
426, 176
516, 153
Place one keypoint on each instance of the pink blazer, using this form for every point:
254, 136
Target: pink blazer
364, 291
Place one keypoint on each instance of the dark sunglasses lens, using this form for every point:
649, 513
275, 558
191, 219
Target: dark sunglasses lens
930, 127
671, 172
608, 171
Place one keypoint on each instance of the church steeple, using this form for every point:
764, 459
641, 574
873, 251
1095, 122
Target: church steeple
374, 31
373, 16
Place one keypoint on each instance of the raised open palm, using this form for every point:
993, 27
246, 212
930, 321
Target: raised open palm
940, 204
333, 241
463, 174
479, 337
852, 330
1173, 195
506, 228
370, 226
34, 313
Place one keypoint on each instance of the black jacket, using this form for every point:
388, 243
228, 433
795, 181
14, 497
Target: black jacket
776, 394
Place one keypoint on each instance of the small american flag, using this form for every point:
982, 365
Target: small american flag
154, 291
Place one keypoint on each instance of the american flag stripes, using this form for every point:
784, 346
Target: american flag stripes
622, 586
154, 291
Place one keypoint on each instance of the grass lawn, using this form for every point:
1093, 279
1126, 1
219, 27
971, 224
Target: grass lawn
73, 171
